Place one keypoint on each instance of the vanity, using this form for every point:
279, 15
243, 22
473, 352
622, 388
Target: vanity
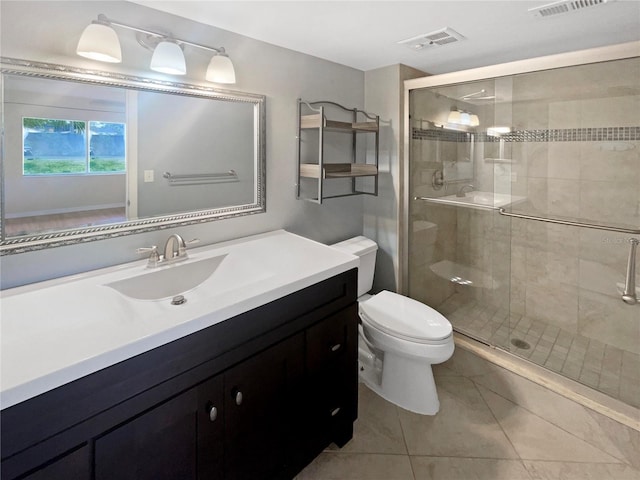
251, 375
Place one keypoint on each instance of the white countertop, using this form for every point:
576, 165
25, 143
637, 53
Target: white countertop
60, 330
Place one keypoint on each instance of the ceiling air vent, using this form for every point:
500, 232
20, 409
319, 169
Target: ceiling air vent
565, 6
438, 38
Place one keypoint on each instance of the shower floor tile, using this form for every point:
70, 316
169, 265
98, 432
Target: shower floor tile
603, 367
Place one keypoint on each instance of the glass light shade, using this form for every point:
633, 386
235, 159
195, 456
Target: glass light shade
454, 117
168, 58
465, 118
220, 69
475, 121
100, 42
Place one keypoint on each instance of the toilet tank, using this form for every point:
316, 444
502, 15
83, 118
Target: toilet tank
366, 249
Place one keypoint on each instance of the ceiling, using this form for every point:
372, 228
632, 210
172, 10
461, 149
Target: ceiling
365, 34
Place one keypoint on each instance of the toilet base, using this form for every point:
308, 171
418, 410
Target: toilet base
403, 381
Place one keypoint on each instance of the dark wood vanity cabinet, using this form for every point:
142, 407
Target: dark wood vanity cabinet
261, 407
233, 423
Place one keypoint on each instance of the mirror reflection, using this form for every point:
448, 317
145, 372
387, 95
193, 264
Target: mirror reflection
81, 154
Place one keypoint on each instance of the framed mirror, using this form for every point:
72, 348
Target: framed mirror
88, 155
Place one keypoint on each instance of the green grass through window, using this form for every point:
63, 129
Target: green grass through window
53, 166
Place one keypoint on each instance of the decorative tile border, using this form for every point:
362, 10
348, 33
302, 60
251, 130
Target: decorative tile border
441, 134
600, 134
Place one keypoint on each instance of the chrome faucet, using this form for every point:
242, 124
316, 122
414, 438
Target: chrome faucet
461, 191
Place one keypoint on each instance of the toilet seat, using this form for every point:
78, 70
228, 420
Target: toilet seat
405, 318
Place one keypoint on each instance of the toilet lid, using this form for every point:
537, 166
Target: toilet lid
404, 317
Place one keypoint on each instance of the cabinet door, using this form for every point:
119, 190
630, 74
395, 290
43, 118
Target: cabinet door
260, 396
211, 430
158, 445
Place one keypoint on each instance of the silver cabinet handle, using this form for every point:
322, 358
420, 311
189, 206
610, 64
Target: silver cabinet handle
238, 397
336, 347
213, 412
335, 411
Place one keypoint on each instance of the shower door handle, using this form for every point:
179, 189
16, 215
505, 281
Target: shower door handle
629, 294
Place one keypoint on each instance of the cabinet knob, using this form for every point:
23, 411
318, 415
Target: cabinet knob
213, 412
336, 347
237, 396
335, 411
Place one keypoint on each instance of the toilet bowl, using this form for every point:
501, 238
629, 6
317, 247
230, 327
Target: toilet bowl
400, 338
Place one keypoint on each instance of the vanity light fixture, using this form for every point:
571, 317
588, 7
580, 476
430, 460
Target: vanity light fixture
460, 117
99, 41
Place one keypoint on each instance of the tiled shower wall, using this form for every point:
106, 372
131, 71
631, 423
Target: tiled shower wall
587, 167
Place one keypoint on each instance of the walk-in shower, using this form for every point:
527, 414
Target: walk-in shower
523, 209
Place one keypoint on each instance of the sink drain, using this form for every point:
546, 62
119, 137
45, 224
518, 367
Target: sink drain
516, 342
178, 300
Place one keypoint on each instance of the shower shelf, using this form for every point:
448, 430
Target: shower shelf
312, 164
337, 170
314, 121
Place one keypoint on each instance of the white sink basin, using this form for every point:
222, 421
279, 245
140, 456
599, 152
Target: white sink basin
477, 199
168, 281
83, 323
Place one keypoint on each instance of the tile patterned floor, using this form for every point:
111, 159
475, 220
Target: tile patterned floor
492, 425
604, 367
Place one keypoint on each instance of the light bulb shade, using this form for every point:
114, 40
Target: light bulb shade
465, 118
454, 117
475, 121
168, 58
221, 69
100, 42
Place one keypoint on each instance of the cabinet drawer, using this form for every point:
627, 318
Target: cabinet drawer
75, 465
326, 343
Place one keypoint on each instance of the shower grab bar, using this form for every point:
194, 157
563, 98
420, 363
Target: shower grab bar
629, 295
610, 228
502, 211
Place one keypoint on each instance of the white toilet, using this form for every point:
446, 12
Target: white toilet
400, 338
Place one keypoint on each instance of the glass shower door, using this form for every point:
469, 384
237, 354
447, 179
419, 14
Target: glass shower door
520, 224
459, 246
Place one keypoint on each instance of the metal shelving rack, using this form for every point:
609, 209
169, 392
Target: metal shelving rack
312, 117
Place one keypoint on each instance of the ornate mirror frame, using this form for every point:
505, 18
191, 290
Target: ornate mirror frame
27, 243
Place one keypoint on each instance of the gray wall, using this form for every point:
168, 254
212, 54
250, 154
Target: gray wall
49, 31
206, 137
384, 95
